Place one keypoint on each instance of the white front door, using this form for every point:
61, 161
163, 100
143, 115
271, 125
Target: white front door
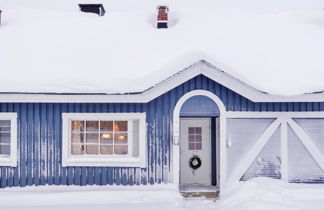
195, 151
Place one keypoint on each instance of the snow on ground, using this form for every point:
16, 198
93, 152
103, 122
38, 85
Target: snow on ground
255, 194
69, 51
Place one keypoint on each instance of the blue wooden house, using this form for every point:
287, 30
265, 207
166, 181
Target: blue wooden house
201, 128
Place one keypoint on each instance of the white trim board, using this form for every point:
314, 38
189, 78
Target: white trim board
274, 114
11, 160
282, 120
175, 149
200, 67
105, 160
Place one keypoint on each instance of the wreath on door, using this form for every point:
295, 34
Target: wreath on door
195, 162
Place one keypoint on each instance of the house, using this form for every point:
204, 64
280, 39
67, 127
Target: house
202, 126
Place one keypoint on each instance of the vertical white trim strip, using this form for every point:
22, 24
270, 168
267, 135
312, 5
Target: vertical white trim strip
284, 151
130, 138
308, 143
245, 162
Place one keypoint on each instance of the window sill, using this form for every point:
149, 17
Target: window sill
104, 162
8, 161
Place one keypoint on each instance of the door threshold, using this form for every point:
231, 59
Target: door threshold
213, 194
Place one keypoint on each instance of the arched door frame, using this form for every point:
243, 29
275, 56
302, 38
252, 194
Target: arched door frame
175, 166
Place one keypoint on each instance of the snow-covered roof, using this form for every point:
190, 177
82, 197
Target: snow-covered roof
52, 51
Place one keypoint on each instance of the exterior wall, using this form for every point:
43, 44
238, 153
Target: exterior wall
39, 137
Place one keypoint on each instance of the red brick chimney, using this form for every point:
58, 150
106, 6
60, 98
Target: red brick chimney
162, 16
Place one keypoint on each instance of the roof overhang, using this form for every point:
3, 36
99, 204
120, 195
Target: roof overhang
199, 68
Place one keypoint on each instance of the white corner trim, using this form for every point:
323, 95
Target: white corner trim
307, 142
201, 67
10, 160
246, 161
103, 160
175, 166
284, 150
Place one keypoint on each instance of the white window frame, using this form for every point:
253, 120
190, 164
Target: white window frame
10, 160
105, 160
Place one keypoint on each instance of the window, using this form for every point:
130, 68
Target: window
195, 138
104, 139
8, 139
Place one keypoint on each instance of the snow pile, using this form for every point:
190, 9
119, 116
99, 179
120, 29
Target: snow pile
88, 197
255, 194
272, 194
72, 52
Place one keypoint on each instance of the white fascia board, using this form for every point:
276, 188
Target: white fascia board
201, 67
232, 114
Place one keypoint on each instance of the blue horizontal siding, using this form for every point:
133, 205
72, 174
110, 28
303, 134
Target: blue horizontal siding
39, 137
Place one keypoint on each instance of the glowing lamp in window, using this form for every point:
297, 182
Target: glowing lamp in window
116, 127
106, 136
122, 138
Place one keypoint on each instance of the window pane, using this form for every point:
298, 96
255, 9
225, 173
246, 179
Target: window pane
121, 138
120, 126
106, 125
121, 149
4, 123
77, 137
106, 150
4, 137
5, 149
77, 149
192, 138
106, 138
198, 138
77, 126
191, 130
92, 125
92, 149
198, 130
92, 138
192, 146
198, 146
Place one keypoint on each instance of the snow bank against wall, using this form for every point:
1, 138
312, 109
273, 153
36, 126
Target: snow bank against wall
69, 51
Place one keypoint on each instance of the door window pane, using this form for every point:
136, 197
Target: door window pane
195, 138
